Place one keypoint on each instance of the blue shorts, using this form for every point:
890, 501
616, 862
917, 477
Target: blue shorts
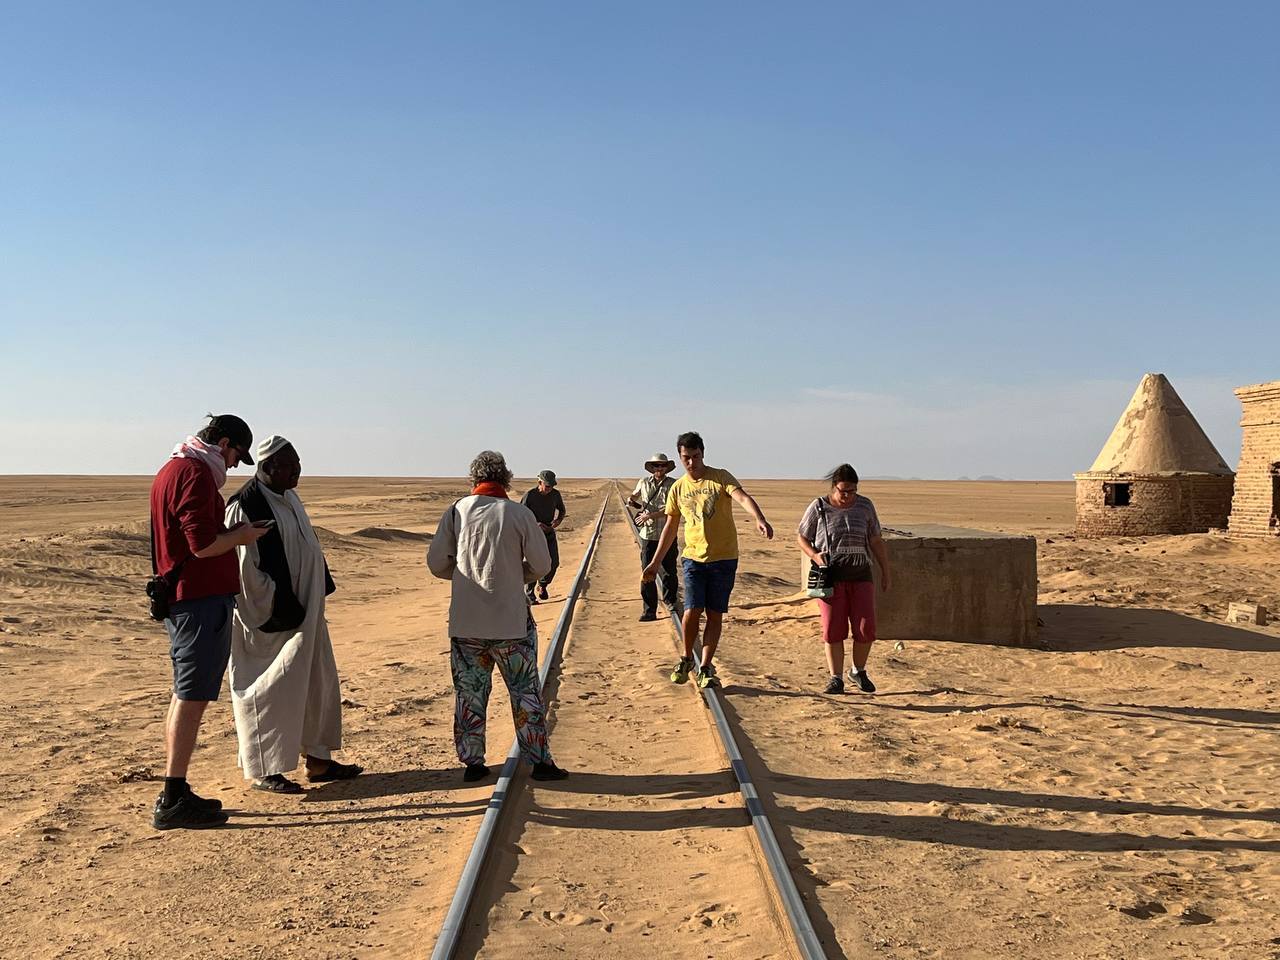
707, 585
199, 645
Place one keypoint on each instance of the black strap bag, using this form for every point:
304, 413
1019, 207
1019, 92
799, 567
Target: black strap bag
160, 587
820, 585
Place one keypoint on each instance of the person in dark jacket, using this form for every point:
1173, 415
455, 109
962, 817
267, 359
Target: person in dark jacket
548, 508
284, 678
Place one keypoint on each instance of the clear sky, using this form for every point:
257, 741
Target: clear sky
931, 239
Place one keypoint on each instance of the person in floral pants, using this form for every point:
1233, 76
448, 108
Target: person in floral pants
488, 547
472, 662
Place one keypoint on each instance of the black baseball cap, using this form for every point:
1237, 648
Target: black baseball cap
237, 431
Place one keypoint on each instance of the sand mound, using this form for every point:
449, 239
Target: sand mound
392, 534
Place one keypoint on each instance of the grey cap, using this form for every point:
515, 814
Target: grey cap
548, 477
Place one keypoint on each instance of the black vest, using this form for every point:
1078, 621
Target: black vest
287, 611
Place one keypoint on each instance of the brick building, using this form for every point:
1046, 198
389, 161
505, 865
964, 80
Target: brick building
1255, 509
1158, 472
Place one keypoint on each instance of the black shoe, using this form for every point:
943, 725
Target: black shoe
548, 771
207, 802
183, 814
542, 592
834, 685
196, 800
474, 772
862, 680
647, 617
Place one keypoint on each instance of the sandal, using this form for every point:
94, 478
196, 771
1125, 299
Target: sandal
336, 771
278, 783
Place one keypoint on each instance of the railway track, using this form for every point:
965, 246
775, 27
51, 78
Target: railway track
646, 848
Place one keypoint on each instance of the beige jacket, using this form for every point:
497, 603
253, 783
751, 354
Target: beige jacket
482, 545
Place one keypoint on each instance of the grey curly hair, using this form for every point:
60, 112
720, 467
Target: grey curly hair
490, 465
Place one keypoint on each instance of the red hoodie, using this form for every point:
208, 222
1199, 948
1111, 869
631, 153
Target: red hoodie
187, 513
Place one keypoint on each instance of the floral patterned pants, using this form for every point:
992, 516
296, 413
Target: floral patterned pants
472, 663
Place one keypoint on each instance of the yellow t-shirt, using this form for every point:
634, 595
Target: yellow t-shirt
707, 510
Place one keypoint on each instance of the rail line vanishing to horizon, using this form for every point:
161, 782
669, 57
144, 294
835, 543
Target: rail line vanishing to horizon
451, 929
784, 892
797, 916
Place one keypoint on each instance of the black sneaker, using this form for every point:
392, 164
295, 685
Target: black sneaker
647, 617
474, 772
834, 685
862, 680
548, 771
542, 592
209, 803
183, 814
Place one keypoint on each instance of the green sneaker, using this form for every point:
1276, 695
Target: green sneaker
707, 677
681, 673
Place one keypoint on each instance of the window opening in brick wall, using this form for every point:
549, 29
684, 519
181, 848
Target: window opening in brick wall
1116, 494
1275, 494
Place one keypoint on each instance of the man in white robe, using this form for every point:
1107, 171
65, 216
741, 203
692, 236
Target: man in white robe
284, 679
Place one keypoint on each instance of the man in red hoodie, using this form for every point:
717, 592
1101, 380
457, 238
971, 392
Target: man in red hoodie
195, 552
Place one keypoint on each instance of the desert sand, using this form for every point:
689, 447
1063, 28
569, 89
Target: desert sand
1106, 794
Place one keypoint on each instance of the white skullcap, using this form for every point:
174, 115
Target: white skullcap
272, 444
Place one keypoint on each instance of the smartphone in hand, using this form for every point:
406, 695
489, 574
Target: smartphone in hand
264, 524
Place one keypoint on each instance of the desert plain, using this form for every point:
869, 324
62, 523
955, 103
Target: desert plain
1107, 793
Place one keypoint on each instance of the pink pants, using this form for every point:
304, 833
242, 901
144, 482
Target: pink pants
851, 605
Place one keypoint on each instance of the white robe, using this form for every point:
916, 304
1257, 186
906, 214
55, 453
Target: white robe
284, 686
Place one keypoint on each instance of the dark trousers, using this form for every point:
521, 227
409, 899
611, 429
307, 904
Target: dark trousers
553, 548
670, 583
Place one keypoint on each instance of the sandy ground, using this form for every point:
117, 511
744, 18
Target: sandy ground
1109, 795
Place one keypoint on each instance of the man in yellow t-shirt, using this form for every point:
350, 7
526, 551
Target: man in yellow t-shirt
703, 499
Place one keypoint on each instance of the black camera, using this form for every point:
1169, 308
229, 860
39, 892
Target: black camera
158, 591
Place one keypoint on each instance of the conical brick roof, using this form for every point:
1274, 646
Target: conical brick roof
1157, 434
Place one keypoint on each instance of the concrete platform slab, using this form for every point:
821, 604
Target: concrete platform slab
955, 583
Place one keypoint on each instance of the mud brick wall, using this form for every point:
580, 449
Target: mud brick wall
1182, 503
1253, 509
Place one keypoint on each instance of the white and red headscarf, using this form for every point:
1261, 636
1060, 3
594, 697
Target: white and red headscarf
193, 448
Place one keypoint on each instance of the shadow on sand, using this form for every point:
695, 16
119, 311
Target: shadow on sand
1078, 627
976, 834
368, 786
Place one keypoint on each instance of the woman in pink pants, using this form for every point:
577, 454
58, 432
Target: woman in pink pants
842, 532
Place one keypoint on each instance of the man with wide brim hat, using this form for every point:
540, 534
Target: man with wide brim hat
650, 498
659, 460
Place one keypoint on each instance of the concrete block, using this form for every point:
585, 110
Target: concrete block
952, 583
1247, 613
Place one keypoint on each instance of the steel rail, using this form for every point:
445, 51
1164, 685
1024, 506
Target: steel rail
451, 929
806, 938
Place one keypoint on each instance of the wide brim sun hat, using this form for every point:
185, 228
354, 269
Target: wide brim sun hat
659, 460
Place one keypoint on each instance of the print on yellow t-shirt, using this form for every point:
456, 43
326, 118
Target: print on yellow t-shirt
707, 511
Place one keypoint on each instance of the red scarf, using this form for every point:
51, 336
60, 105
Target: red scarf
490, 488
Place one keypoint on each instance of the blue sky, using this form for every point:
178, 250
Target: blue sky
933, 240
